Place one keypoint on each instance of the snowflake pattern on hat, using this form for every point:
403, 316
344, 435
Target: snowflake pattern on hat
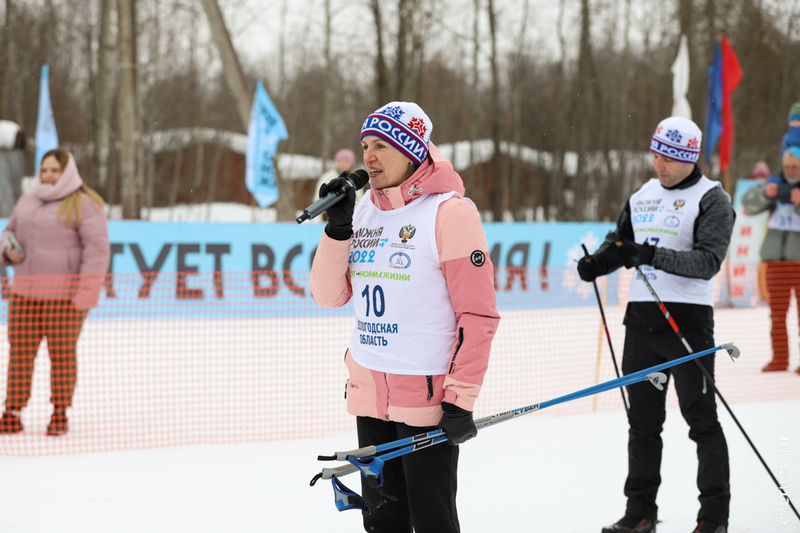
396, 112
673, 135
418, 126
404, 125
678, 139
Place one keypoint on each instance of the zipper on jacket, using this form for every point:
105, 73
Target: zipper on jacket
429, 379
346, 383
784, 238
455, 353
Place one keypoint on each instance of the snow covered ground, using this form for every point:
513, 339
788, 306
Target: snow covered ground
537, 473
558, 470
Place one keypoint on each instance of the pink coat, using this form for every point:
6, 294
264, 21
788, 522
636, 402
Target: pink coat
55, 252
416, 400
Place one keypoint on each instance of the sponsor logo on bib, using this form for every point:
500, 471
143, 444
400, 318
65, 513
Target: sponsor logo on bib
399, 260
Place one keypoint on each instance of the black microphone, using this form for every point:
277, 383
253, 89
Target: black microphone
355, 180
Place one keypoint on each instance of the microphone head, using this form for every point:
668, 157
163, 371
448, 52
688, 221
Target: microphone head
359, 178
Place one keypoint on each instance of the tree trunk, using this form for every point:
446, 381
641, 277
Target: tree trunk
382, 73
499, 177
213, 177
514, 190
474, 117
7, 68
555, 190
199, 167
176, 181
405, 15
327, 97
103, 94
586, 111
237, 82
130, 180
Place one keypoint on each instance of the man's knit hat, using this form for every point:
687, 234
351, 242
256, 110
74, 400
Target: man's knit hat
404, 125
794, 112
677, 138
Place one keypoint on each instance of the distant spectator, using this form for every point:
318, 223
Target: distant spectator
760, 171
345, 160
792, 137
57, 242
780, 195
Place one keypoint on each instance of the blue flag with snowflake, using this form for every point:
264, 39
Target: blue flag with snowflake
46, 134
265, 131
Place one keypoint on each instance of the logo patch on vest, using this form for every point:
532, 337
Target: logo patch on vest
399, 260
406, 232
478, 258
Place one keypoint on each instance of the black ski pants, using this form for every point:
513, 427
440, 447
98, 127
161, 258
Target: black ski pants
424, 483
646, 419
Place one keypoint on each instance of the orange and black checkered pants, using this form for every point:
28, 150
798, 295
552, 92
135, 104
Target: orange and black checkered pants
29, 321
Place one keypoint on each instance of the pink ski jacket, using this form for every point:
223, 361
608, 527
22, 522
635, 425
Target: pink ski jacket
416, 400
61, 262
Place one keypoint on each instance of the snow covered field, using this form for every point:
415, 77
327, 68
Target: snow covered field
558, 470
537, 473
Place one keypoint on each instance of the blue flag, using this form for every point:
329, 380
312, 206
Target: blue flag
714, 106
266, 130
46, 134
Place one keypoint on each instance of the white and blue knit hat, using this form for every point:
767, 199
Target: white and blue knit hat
677, 138
404, 125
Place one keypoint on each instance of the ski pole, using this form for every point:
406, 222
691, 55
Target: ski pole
605, 327
710, 379
424, 440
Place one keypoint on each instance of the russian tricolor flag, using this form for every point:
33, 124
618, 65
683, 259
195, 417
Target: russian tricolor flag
724, 76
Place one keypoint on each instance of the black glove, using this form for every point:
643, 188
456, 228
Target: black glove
632, 254
589, 268
785, 192
457, 423
340, 214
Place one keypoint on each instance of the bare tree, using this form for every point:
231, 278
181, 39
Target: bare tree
129, 136
498, 182
474, 100
518, 68
585, 105
102, 91
327, 89
555, 198
381, 71
241, 89
7, 61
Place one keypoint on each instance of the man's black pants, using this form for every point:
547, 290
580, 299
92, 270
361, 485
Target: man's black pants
646, 419
424, 483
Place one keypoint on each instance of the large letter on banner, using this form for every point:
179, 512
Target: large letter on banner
46, 134
266, 130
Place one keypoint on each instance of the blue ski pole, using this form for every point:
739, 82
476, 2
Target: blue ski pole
407, 445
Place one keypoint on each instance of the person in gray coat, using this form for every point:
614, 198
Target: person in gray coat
780, 251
